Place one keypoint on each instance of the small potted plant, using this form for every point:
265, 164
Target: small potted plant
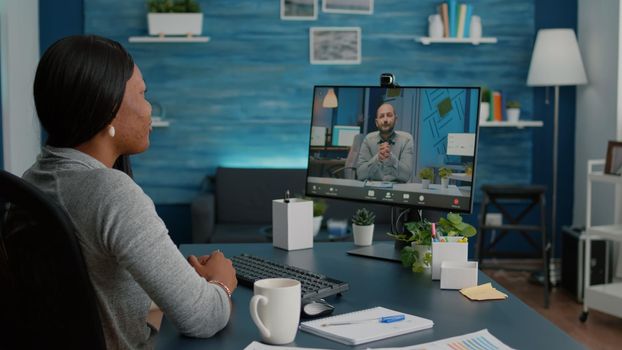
426, 175
512, 110
174, 17
468, 168
363, 226
418, 254
444, 173
319, 208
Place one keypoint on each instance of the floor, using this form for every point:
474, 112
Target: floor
601, 331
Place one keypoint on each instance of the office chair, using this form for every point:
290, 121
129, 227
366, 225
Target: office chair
46, 297
349, 169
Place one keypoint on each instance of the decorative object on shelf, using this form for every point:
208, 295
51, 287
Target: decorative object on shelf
475, 29
426, 175
299, 10
181, 17
319, 208
356, 7
475, 41
158, 115
484, 106
444, 173
335, 45
363, 227
556, 60
512, 111
519, 124
435, 26
613, 162
468, 168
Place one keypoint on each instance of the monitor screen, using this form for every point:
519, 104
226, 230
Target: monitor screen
406, 146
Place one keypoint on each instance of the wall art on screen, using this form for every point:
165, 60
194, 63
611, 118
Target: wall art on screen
299, 10
335, 45
359, 7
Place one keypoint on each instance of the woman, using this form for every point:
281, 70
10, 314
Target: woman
90, 99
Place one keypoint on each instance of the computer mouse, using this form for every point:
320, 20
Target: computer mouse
317, 308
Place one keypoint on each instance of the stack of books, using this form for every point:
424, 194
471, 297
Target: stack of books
456, 19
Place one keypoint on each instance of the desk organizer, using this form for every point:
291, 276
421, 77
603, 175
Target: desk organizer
292, 224
447, 251
458, 275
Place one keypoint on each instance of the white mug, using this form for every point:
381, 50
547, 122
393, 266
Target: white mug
275, 309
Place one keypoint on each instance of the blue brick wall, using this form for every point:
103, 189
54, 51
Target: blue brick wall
244, 98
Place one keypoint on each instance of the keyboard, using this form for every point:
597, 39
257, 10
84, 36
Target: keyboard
251, 268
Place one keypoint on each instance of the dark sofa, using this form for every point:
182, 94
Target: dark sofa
237, 207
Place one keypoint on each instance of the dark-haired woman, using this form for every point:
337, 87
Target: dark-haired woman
90, 99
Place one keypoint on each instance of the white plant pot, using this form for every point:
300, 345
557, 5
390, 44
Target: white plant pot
363, 235
175, 23
484, 111
422, 250
444, 182
317, 223
513, 114
425, 184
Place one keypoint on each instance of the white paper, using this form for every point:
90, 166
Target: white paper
260, 346
460, 144
467, 342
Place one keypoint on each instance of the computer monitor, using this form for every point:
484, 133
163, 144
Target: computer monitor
375, 144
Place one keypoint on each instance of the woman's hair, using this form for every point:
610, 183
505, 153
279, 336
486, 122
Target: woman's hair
79, 86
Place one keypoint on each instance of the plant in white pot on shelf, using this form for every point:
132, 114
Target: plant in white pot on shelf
319, 208
444, 173
363, 227
484, 106
174, 17
426, 175
512, 110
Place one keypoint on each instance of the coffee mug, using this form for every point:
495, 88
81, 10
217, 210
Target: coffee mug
275, 309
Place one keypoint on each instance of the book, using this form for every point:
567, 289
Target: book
445, 17
462, 9
467, 21
365, 326
497, 110
453, 13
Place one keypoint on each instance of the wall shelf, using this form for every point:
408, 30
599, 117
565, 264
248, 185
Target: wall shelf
157, 122
169, 39
426, 40
519, 124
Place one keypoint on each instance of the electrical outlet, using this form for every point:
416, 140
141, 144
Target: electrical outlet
494, 219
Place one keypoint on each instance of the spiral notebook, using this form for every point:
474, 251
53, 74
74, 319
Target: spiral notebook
365, 326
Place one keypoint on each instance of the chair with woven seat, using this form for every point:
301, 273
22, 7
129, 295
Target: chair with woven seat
46, 297
531, 196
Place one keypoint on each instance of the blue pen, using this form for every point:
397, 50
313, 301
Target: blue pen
383, 319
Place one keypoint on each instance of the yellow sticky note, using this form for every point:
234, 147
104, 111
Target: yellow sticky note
483, 292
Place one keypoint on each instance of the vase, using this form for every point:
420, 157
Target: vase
435, 26
424, 256
363, 235
484, 111
513, 114
317, 223
425, 184
444, 182
475, 30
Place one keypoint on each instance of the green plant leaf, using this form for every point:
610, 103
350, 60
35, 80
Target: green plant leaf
454, 218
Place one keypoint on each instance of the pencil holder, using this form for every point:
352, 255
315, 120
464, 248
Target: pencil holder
447, 251
292, 224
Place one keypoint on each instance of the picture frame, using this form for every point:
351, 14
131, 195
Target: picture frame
335, 45
299, 10
357, 7
613, 162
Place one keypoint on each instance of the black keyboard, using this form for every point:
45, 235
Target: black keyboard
250, 268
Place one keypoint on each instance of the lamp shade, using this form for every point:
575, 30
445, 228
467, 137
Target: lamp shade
330, 100
556, 59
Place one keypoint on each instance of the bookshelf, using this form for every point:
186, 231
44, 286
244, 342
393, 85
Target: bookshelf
426, 40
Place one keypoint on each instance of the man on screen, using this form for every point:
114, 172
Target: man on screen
386, 154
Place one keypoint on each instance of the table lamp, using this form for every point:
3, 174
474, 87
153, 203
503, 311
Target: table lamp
556, 61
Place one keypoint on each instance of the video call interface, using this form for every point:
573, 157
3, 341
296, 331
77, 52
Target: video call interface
406, 146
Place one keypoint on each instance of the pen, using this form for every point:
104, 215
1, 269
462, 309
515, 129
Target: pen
434, 232
384, 319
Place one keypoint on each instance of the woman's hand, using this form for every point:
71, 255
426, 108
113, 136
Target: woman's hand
215, 267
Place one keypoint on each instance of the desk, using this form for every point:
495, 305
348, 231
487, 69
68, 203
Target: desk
378, 283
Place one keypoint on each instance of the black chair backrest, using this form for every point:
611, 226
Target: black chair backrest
46, 297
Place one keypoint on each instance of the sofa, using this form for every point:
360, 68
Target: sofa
236, 205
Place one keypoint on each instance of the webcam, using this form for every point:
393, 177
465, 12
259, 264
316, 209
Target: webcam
388, 80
